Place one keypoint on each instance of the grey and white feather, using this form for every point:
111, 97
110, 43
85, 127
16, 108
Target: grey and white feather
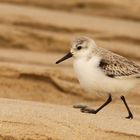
116, 66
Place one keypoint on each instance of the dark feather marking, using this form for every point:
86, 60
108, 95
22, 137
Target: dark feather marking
103, 65
111, 75
118, 68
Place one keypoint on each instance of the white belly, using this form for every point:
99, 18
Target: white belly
95, 82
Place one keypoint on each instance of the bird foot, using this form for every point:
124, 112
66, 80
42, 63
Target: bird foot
130, 116
85, 109
80, 106
88, 110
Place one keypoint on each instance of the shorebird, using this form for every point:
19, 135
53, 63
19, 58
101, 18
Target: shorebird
102, 72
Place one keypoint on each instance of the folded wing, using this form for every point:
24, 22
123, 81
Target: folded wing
116, 66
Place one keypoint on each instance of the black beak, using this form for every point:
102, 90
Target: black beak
68, 55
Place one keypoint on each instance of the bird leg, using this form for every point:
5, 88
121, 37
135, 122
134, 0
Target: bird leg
86, 109
130, 115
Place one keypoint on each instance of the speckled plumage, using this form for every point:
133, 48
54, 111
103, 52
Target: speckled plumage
116, 66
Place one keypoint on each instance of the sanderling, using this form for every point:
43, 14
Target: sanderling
102, 72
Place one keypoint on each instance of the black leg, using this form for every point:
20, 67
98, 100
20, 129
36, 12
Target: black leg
85, 109
130, 115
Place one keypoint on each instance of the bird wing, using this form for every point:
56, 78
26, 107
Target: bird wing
116, 66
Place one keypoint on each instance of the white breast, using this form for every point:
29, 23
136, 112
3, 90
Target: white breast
88, 74
94, 81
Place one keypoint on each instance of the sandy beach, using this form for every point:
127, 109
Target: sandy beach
37, 96
30, 120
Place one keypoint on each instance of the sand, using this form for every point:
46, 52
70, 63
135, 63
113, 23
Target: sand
36, 95
31, 120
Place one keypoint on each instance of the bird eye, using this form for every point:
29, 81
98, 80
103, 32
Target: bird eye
79, 47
